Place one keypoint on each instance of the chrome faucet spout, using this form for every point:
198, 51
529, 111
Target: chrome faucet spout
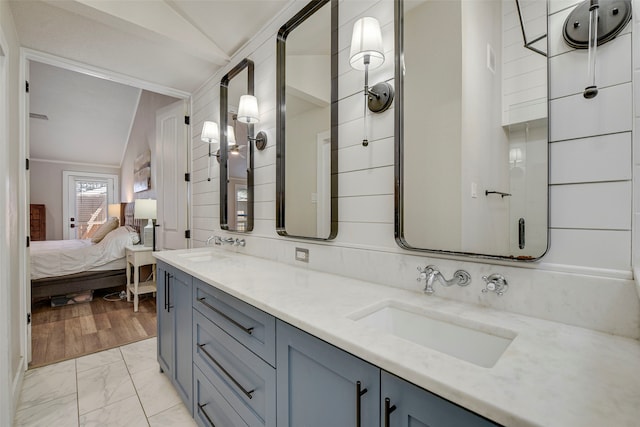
431, 274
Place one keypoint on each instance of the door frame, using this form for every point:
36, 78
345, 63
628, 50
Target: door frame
66, 175
27, 55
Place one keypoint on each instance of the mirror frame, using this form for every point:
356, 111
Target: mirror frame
224, 169
283, 33
399, 152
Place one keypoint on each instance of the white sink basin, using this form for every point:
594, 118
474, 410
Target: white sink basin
200, 256
476, 343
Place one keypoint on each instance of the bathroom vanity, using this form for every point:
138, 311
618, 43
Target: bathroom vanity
247, 341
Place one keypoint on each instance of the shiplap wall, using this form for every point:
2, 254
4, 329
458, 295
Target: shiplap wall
584, 280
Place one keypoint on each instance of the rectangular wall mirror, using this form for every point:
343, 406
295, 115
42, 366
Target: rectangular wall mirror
472, 128
307, 91
236, 152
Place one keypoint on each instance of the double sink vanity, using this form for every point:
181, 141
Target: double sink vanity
247, 341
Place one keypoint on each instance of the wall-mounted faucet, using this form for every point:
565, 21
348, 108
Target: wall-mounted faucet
431, 273
217, 240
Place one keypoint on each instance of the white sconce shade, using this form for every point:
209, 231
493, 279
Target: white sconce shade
231, 136
210, 133
113, 210
248, 109
366, 40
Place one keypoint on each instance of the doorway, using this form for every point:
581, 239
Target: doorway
89, 187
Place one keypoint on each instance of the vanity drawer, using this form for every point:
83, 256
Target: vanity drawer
209, 407
252, 327
246, 381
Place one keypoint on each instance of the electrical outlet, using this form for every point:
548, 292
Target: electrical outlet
302, 254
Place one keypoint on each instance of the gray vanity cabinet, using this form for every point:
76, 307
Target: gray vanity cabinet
174, 319
403, 404
233, 354
235, 365
320, 385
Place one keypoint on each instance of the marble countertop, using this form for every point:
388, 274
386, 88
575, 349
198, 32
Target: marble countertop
550, 375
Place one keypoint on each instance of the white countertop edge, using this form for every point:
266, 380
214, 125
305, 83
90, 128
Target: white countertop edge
525, 388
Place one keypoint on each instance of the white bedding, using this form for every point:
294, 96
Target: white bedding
52, 258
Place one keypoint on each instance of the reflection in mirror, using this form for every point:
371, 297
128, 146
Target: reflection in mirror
306, 162
236, 153
471, 129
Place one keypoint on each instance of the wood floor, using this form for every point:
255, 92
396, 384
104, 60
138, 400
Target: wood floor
60, 333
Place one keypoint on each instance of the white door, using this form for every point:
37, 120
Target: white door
172, 150
86, 198
26, 258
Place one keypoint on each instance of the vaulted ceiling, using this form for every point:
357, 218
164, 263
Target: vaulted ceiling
177, 44
174, 43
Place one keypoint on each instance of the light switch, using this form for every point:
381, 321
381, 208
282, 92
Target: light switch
474, 190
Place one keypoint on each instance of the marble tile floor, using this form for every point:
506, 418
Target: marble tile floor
118, 387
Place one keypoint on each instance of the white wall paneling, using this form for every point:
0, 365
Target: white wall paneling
569, 71
583, 280
577, 117
606, 249
604, 205
602, 158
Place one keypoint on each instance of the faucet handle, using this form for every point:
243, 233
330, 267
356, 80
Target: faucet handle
495, 283
423, 274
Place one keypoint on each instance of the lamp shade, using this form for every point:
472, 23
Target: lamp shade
145, 209
248, 109
210, 133
113, 210
366, 40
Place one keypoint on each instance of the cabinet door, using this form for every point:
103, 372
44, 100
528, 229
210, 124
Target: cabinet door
180, 309
412, 406
317, 383
165, 322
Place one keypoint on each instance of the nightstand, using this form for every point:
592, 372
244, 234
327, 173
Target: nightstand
138, 256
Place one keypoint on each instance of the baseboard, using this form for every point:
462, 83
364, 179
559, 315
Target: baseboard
16, 385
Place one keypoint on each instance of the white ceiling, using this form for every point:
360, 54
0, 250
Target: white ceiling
178, 44
174, 43
88, 118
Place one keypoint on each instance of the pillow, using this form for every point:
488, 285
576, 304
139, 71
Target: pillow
110, 225
135, 237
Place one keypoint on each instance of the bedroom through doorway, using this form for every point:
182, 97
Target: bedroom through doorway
84, 132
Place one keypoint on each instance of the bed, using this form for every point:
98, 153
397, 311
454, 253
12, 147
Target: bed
61, 267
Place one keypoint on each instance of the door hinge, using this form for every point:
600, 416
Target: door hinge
26, 86
27, 164
187, 120
28, 241
187, 234
187, 177
28, 318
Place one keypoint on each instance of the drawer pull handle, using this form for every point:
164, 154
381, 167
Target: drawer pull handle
359, 392
205, 303
388, 409
201, 407
249, 394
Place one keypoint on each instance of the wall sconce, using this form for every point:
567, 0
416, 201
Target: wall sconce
583, 29
367, 54
248, 113
211, 135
